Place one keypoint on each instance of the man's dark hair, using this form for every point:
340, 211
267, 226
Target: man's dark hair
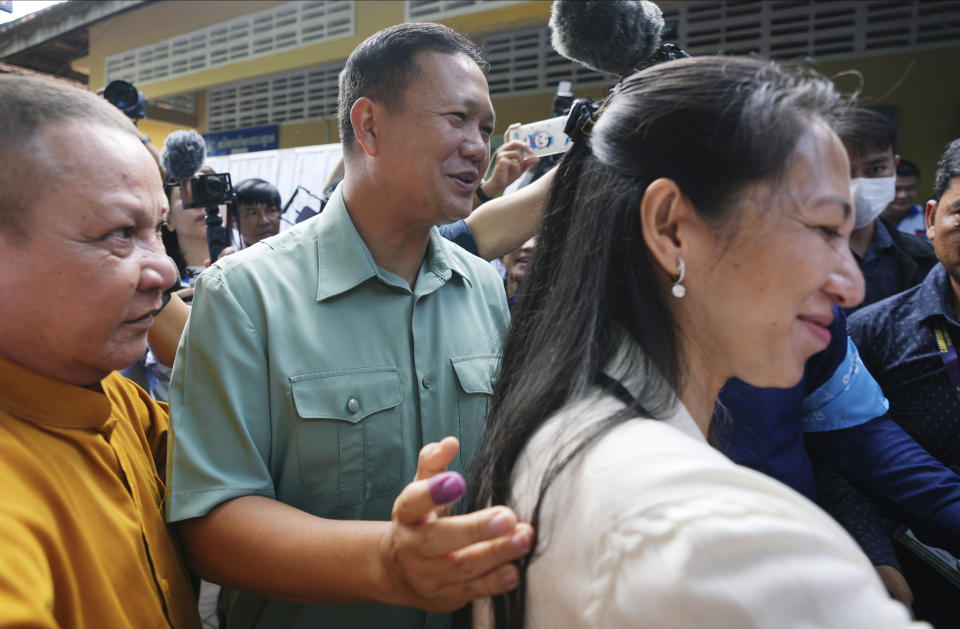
257, 192
863, 130
906, 168
27, 106
947, 168
384, 65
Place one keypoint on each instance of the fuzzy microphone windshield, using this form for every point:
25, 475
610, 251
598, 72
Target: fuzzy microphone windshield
609, 36
183, 154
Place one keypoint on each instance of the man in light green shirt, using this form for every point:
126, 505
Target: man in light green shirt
317, 364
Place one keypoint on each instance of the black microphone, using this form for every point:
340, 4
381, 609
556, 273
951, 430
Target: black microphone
612, 37
183, 154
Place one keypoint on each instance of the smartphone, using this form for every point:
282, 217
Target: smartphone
545, 137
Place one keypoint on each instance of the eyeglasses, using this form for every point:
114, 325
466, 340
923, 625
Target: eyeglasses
258, 211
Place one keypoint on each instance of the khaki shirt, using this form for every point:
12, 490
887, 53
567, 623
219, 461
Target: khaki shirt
309, 375
83, 540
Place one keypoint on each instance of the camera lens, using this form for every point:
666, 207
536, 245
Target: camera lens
122, 94
213, 188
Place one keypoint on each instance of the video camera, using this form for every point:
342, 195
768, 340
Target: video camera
125, 97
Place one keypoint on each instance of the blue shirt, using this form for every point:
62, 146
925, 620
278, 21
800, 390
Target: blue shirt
897, 342
763, 428
879, 267
460, 233
898, 346
914, 222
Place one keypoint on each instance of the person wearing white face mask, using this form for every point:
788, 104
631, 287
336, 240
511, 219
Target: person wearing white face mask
891, 261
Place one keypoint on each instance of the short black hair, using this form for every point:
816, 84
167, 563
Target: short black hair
257, 192
28, 105
947, 168
862, 130
384, 65
906, 168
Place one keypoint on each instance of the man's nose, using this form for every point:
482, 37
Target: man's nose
157, 270
476, 147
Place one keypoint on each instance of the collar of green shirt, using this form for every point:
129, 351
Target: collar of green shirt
346, 262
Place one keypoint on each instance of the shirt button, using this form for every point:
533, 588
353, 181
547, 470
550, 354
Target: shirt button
165, 585
353, 405
426, 383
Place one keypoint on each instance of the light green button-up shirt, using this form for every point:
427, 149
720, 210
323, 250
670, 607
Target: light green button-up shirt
310, 375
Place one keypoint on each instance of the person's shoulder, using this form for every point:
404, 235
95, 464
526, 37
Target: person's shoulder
23, 467
635, 456
289, 251
122, 390
476, 268
882, 315
134, 405
647, 471
914, 246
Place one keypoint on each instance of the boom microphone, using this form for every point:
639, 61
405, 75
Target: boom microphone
183, 154
612, 37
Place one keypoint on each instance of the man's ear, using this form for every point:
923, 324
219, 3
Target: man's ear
665, 216
896, 162
930, 217
365, 116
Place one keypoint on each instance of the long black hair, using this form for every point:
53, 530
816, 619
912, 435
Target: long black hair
171, 242
713, 125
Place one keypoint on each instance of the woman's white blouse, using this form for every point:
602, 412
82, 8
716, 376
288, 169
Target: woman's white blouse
651, 527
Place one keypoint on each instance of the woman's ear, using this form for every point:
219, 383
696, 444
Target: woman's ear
365, 116
666, 216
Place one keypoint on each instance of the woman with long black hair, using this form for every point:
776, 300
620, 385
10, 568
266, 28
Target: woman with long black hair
696, 231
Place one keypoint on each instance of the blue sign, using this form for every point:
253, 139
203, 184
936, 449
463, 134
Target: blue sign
242, 140
6, 5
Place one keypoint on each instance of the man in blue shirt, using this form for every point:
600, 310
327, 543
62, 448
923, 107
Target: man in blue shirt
891, 261
908, 341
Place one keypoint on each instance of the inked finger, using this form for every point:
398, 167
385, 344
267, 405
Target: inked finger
418, 501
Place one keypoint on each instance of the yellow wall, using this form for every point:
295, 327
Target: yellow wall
157, 21
927, 100
153, 22
157, 130
924, 89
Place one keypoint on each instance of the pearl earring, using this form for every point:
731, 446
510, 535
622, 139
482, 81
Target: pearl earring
678, 290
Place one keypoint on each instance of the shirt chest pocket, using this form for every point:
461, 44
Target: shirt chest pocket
349, 433
475, 377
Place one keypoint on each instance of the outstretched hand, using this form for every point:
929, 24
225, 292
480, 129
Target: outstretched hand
441, 563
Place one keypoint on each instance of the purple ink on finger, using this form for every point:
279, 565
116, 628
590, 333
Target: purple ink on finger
446, 488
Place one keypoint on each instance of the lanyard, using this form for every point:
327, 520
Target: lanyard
948, 354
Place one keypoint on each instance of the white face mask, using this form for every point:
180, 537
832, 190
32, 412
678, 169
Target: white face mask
871, 196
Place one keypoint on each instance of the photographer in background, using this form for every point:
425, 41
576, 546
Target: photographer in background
258, 211
184, 232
